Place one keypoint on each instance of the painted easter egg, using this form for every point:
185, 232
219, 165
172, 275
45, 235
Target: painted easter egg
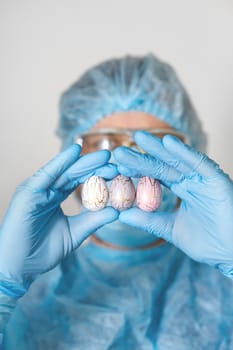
95, 193
149, 194
122, 192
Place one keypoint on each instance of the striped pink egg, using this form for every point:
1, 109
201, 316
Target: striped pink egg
122, 192
149, 194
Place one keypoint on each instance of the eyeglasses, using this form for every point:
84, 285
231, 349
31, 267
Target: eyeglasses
112, 138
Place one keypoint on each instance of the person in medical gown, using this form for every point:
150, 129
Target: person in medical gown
129, 279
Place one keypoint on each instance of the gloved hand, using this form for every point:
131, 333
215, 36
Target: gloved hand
36, 235
203, 225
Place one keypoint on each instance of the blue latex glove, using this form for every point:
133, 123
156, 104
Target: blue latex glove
203, 225
36, 235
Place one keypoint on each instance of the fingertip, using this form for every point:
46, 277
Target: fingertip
69, 154
129, 215
100, 217
171, 140
125, 171
112, 171
74, 148
119, 152
112, 166
108, 171
123, 215
97, 158
105, 154
134, 217
110, 213
140, 135
77, 146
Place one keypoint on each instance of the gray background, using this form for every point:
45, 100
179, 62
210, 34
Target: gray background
46, 44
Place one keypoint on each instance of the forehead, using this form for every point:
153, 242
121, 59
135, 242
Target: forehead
130, 120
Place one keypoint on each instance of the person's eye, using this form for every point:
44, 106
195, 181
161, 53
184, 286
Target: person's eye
96, 144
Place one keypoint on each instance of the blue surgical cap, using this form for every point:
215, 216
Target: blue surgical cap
130, 83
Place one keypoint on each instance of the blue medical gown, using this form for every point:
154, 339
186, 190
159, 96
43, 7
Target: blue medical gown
108, 299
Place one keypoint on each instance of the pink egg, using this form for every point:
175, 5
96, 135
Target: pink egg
122, 192
149, 194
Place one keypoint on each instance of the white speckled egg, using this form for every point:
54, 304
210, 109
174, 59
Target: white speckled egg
95, 193
149, 194
122, 192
